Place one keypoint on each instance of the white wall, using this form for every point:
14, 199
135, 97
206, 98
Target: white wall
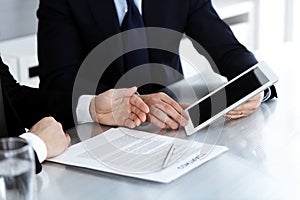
296, 21
279, 22
271, 23
17, 18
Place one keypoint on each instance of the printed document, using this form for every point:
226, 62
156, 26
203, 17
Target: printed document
139, 154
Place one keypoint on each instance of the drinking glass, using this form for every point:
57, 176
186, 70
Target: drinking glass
17, 169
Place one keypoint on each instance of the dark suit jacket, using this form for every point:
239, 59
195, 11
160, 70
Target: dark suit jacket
8, 114
16, 129
24, 106
70, 29
32, 104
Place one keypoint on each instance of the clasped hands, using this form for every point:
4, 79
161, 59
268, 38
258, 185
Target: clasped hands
123, 107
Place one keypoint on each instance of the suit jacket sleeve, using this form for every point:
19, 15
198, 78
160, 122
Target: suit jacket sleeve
31, 104
10, 125
205, 26
230, 56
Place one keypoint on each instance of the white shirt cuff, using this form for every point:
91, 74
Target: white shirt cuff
37, 144
83, 109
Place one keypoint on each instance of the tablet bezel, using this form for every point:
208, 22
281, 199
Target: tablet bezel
265, 69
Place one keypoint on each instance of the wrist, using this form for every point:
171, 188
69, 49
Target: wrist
83, 113
92, 109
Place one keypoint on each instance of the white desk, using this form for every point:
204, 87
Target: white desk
263, 162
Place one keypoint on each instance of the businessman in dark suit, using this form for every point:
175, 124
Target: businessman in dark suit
70, 29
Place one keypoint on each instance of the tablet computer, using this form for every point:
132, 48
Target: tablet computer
230, 95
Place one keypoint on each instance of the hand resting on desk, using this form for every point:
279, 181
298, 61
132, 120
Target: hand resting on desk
119, 107
51, 132
164, 111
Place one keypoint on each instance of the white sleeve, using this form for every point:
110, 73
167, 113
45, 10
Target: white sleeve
37, 144
83, 109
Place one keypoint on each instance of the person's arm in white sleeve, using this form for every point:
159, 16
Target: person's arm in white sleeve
114, 107
83, 109
47, 138
37, 144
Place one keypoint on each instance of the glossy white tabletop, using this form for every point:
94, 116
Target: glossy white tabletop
263, 161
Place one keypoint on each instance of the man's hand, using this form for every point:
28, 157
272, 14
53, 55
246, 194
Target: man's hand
119, 107
246, 108
51, 132
164, 111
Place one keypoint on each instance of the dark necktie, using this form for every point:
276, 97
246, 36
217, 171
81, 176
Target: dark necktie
132, 20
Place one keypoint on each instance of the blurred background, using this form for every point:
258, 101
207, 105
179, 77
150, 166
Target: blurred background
258, 24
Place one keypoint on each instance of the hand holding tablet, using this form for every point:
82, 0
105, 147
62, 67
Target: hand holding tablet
229, 96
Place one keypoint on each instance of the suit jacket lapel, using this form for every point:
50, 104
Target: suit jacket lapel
106, 20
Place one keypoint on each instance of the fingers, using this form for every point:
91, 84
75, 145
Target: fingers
129, 123
151, 118
134, 112
139, 111
139, 114
246, 108
164, 111
135, 119
137, 102
240, 111
173, 110
169, 115
236, 116
132, 121
161, 115
173, 103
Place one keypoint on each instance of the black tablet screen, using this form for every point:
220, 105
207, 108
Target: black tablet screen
227, 96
